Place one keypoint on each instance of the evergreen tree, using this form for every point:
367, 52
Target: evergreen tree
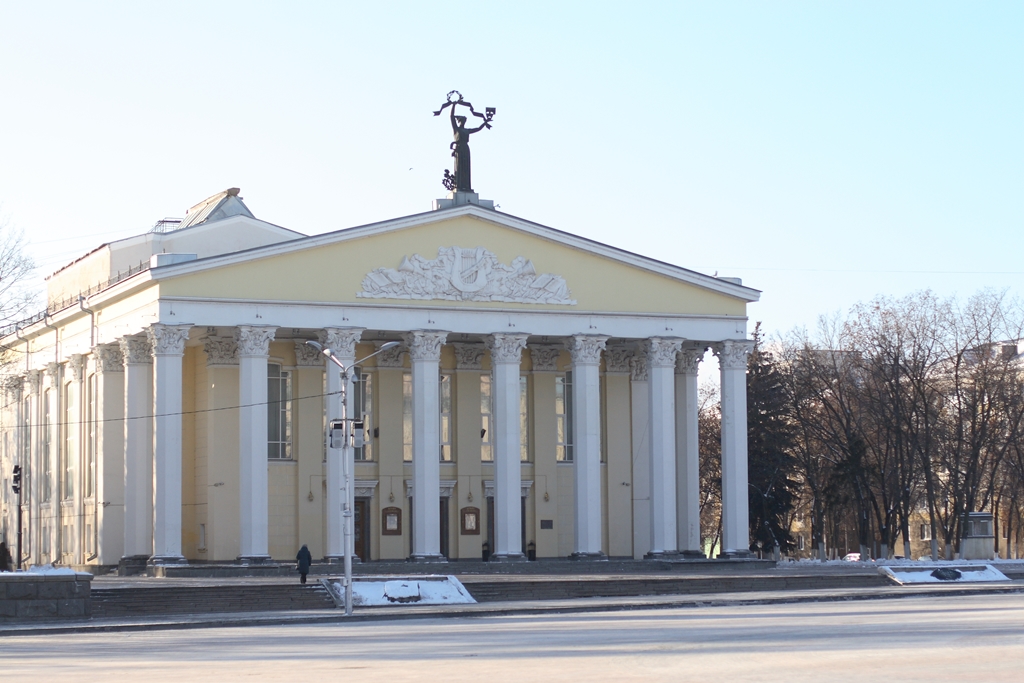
771, 461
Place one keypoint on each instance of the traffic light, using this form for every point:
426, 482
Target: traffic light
16, 485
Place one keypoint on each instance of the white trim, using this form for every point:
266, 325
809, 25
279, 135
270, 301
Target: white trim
505, 220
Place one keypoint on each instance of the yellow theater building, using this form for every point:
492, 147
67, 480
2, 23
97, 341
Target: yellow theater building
542, 399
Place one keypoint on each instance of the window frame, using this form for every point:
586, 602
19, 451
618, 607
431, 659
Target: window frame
283, 416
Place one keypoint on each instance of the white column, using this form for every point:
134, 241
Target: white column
506, 356
138, 448
586, 401
109, 446
253, 487
732, 357
168, 342
76, 455
661, 390
342, 343
425, 357
688, 455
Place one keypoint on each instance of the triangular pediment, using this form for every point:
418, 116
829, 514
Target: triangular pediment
466, 257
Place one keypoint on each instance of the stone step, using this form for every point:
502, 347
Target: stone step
120, 602
484, 590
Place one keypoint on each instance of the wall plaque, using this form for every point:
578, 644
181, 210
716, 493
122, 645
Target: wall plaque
470, 521
391, 521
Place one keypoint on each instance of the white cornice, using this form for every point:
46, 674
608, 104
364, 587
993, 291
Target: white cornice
503, 219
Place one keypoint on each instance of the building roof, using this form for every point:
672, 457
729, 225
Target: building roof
221, 205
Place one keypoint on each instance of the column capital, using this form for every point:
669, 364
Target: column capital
254, 340
732, 353
661, 352
425, 344
168, 340
689, 360
77, 365
308, 357
638, 367
391, 358
545, 358
616, 358
51, 370
33, 378
109, 358
469, 356
506, 347
586, 348
341, 340
136, 350
14, 386
220, 351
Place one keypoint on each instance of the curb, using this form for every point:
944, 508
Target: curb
512, 609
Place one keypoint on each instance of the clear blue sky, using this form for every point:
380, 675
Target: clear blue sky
824, 152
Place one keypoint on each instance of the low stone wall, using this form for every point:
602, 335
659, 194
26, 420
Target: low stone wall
27, 596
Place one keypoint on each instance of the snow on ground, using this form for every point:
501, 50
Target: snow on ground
379, 591
948, 573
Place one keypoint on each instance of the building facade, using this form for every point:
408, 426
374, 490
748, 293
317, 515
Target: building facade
543, 398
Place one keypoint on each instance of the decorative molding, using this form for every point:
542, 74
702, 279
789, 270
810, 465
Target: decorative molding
108, 358
51, 371
661, 352
425, 344
254, 341
77, 365
616, 358
220, 351
689, 360
136, 350
525, 486
545, 358
308, 357
34, 379
341, 340
13, 387
506, 348
459, 274
469, 356
732, 353
168, 340
391, 358
365, 488
585, 348
446, 488
638, 367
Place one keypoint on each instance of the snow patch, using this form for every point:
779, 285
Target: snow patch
384, 591
961, 573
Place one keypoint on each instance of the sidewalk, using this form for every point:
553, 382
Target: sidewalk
510, 608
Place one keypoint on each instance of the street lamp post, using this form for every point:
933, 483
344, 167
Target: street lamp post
347, 461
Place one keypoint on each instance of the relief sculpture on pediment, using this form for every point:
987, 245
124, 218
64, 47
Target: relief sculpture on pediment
459, 274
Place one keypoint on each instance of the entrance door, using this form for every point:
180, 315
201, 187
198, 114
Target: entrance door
490, 523
444, 527
362, 528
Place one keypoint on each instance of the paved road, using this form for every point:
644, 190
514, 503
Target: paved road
970, 638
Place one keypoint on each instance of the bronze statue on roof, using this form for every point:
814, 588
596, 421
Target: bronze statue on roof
461, 180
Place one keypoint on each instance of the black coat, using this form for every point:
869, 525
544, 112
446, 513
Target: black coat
304, 559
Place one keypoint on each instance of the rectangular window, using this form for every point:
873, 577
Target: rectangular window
68, 445
926, 532
445, 426
486, 450
563, 417
445, 431
45, 453
524, 419
362, 400
407, 416
279, 413
90, 437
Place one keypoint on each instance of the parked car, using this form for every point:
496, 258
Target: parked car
851, 557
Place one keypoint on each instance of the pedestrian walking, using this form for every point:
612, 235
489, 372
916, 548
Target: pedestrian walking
304, 559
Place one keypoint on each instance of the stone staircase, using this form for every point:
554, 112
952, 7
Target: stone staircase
146, 600
484, 589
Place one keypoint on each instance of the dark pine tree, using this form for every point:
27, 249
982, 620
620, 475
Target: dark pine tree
771, 463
